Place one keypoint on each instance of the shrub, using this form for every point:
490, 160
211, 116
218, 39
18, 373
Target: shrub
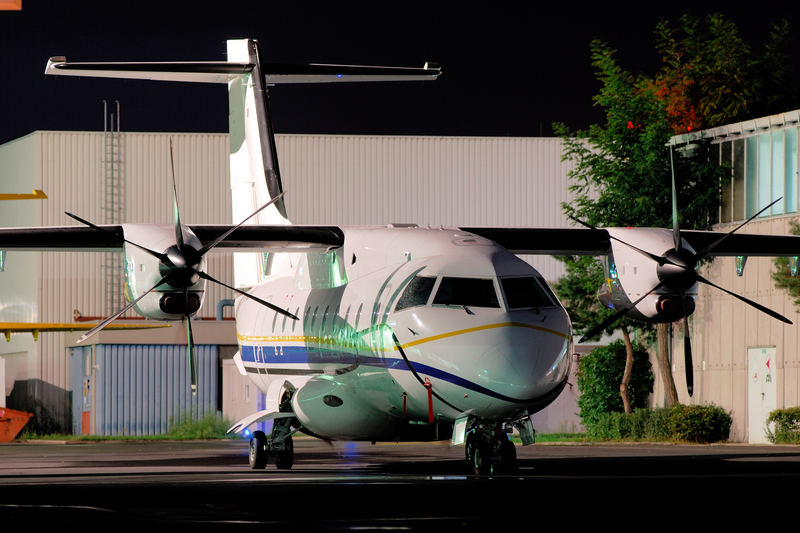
599, 376
699, 423
787, 426
692, 423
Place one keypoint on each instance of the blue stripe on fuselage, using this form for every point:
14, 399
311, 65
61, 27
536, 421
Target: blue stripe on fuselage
271, 354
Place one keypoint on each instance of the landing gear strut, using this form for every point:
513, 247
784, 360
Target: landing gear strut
490, 451
278, 445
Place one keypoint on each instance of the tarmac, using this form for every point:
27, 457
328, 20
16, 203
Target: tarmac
406, 486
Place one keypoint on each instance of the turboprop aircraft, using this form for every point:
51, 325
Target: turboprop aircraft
384, 332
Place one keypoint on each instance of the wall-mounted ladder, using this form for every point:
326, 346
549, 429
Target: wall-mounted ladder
113, 204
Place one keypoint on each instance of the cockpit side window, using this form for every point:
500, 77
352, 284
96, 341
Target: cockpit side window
527, 292
466, 291
416, 293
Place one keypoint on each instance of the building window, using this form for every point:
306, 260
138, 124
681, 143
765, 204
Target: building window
791, 170
751, 175
778, 176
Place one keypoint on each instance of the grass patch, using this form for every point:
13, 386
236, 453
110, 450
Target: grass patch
561, 437
555, 437
210, 426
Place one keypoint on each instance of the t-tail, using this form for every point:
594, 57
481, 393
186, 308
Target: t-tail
255, 173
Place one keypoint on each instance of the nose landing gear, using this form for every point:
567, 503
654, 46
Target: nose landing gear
490, 451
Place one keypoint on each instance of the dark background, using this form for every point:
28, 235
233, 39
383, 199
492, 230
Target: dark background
508, 69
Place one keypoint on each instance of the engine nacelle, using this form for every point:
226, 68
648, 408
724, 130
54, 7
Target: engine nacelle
143, 270
630, 274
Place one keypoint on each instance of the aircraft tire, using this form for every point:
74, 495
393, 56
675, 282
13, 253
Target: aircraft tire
469, 449
482, 459
284, 459
508, 457
258, 451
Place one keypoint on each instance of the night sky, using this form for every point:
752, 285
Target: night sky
507, 70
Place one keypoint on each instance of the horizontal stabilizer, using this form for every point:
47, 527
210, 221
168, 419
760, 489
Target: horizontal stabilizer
257, 417
224, 71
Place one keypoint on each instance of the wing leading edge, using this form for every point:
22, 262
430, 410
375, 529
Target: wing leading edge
579, 241
294, 238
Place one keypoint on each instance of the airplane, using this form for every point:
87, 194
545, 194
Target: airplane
388, 332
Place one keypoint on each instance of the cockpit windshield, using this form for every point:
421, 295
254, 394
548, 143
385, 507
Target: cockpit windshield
527, 292
416, 293
471, 292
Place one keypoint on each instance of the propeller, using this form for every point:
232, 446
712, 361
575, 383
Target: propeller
181, 268
677, 272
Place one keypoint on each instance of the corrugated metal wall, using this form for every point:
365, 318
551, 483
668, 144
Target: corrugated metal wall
452, 181
140, 389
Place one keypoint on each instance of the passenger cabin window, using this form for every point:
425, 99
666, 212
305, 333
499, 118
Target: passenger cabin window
467, 292
527, 292
417, 293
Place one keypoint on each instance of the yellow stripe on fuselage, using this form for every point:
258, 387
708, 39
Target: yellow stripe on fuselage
487, 326
334, 340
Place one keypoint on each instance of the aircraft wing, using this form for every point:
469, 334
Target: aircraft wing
548, 241
105, 237
580, 241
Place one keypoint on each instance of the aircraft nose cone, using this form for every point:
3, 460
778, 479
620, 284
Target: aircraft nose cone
527, 362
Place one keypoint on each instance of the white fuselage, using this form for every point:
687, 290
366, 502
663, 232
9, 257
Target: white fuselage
377, 320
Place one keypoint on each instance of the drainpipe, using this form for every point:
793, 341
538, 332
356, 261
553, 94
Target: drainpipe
221, 305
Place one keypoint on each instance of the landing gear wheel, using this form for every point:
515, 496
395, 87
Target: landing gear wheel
469, 449
508, 457
482, 459
285, 458
258, 451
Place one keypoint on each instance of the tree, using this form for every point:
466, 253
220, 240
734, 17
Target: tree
622, 173
710, 76
598, 373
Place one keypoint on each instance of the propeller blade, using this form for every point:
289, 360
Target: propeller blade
657, 258
157, 255
221, 238
190, 348
108, 320
175, 211
619, 314
707, 250
758, 306
255, 298
687, 348
676, 231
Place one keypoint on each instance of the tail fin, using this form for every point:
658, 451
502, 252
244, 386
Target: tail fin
255, 175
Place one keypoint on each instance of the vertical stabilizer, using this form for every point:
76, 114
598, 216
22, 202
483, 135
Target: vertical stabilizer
255, 175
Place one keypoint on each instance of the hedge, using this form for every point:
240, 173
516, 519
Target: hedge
787, 426
688, 423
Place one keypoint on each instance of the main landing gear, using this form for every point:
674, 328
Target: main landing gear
490, 451
262, 447
278, 445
